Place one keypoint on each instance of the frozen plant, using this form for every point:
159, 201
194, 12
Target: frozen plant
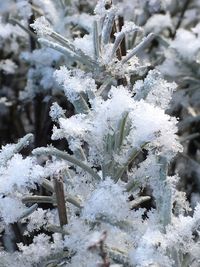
111, 200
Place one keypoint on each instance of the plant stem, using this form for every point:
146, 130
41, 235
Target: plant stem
38, 199
64, 155
142, 45
60, 199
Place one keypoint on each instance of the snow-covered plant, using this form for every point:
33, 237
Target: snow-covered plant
107, 198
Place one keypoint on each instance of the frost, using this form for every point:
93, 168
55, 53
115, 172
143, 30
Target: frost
34, 255
42, 26
38, 219
103, 203
196, 29
180, 233
11, 209
74, 127
153, 126
52, 168
42, 73
146, 170
24, 8
85, 44
148, 252
7, 30
28, 173
74, 82
56, 112
113, 176
159, 128
100, 7
128, 27
83, 257
6, 153
4, 101
155, 90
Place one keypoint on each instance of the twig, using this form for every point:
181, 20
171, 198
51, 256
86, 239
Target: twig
60, 199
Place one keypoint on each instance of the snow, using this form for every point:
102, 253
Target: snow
74, 127
74, 82
85, 44
100, 8
56, 112
10, 209
128, 27
125, 137
28, 173
153, 126
34, 255
106, 201
6, 153
38, 219
154, 89
41, 26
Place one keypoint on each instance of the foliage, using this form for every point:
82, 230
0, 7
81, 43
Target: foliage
104, 188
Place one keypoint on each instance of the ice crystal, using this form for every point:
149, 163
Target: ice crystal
42, 26
28, 173
74, 82
56, 112
11, 209
103, 203
85, 44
